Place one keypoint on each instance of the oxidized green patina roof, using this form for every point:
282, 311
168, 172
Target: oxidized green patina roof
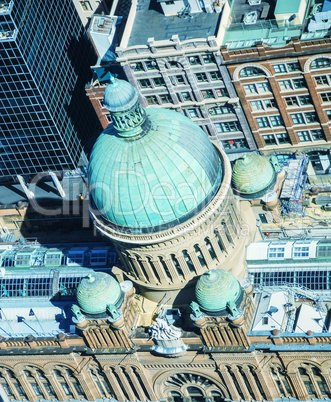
215, 289
96, 291
120, 95
160, 173
252, 175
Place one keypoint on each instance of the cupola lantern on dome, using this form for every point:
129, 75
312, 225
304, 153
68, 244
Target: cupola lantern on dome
151, 169
253, 176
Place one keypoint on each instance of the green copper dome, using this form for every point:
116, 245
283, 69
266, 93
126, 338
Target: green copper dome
153, 169
215, 289
252, 176
98, 290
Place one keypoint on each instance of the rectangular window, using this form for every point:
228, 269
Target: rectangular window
276, 120
165, 98
235, 144
328, 113
265, 321
137, 66
86, 6
194, 60
186, 96
250, 89
215, 75
217, 110
326, 96
151, 65
321, 80
283, 138
269, 139
305, 100
145, 83
208, 58
295, 66
317, 135
285, 84
297, 118
208, 93
201, 77
263, 122
279, 68
192, 113
151, 100
256, 105
158, 82
311, 117
98, 257
291, 101
303, 136
301, 252
276, 252
220, 92
180, 79
227, 127
263, 87
299, 83
270, 103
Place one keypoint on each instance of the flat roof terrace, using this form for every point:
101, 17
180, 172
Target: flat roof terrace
150, 22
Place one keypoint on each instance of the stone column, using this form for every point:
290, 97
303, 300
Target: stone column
229, 383
225, 336
206, 255
266, 388
216, 248
314, 382
70, 385
39, 383
90, 339
21, 378
117, 389
136, 383
184, 267
125, 382
196, 263
224, 239
129, 265
241, 383
141, 275
148, 268
327, 378
298, 385
160, 270
113, 337
172, 269
151, 396
106, 337
250, 378
11, 385
57, 387
98, 334
81, 379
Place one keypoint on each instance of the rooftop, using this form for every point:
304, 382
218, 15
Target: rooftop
156, 25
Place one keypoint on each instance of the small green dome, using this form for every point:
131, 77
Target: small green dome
215, 289
152, 169
252, 176
120, 95
98, 290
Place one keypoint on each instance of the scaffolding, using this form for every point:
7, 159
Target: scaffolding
291, 196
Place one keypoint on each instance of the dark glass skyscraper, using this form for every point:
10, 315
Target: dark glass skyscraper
46, 119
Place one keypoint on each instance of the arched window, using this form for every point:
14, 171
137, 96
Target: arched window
191, 387
101, 381
69, 382
199, 255
281, 381
251, 72
306, 380
195, 394
322, 62
10, 384
323, 388
219, 240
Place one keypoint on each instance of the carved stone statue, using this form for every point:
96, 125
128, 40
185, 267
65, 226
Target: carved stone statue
163, 331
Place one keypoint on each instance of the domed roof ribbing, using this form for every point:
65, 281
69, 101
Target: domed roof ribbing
215, 289
96, 291
252, 175
120, 95
152, 169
